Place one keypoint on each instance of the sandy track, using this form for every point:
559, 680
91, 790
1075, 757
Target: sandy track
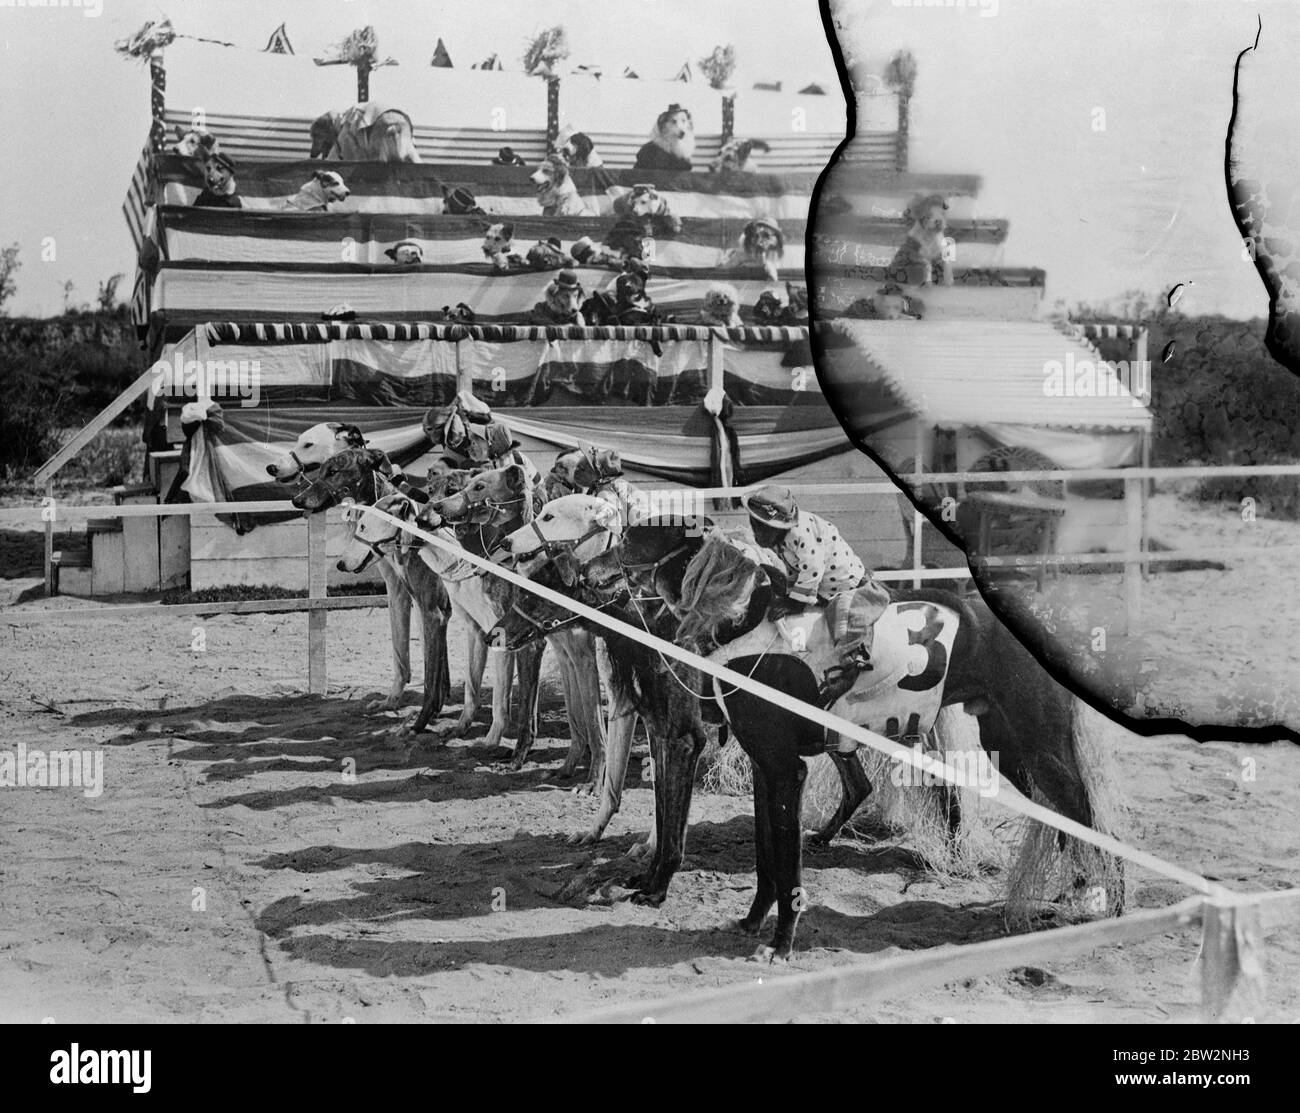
326, 897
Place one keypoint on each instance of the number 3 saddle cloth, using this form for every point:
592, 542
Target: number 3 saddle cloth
900, 695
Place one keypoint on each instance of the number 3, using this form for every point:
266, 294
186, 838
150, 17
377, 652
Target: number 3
936, 664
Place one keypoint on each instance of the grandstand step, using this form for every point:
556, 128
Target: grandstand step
71, 579
104, 525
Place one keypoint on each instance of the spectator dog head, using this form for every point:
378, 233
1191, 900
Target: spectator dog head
496, 245
219, 174
578, 149
556, 192
562, 301
737, 156
317, 193
646, 204
674, 131
721, 306
406, 253
195, 143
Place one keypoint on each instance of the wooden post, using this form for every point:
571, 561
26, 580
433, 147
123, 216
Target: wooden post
464, 373
1231, 960
363, 82
1132, 552
157, 102
49, 538
717, 372
317, 576
904, 123
728, 117
552, 111
1138, 357
918, 519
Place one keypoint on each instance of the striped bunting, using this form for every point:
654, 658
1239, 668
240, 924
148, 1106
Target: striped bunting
299, 332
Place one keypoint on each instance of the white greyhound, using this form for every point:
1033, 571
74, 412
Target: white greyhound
312, 448
586, 526
478, 599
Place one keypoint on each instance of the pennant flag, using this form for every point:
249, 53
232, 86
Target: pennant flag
770, 86
492, 63
813, 90
685, 73
628, 71
441, 59
278, 43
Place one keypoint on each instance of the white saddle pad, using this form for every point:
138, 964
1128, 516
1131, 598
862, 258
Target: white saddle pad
910, 653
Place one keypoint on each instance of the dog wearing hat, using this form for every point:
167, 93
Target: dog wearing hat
507, 157
928, 249
547, 255
737, 156
646, 204
366, 132
317, 193
497, 245
407, 253
762, 244
220, 190
562, 302
556, 192
721, 306
672, 142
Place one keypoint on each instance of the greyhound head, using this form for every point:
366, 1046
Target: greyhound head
489, 497
312, 448
359, 474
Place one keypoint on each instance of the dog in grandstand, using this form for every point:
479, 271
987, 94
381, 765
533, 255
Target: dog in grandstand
556, 193
927, 250
498, 248
672, 142
761, 244
317, 193
737, 156
547, 255
562, 303
578, 149
648, 206
721, 306
406, 253
366, 132
220, 190
195, 143
587, 253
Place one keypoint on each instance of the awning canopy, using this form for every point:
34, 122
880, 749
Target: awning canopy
1001, 373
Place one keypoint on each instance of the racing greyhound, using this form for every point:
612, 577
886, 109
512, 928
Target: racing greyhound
359, 474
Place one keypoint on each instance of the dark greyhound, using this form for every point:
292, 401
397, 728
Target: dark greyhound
360, 474
1026, 718
667, 704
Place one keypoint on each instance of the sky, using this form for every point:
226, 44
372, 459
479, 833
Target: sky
1010, 96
